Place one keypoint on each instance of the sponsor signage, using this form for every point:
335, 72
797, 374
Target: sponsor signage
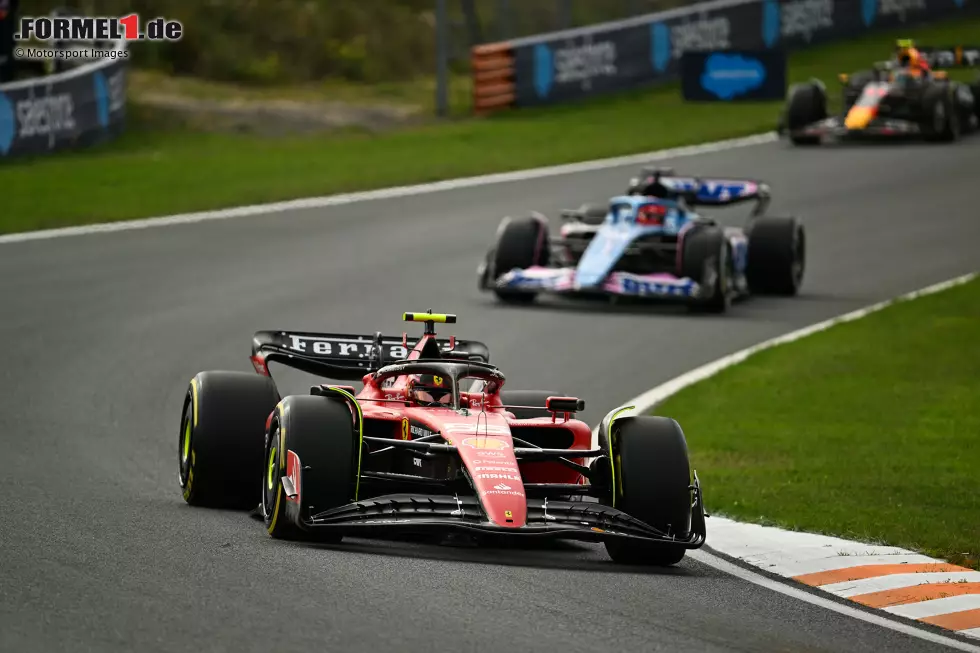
575, 64
84, 106
733, 75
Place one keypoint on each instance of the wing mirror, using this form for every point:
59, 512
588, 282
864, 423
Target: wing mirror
564, 404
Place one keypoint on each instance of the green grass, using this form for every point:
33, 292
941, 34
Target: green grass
153, 170
868, 431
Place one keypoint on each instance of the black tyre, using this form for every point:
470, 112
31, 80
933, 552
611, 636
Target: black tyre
522, 243
311, 442
941, 121
776, 256
655, 474
706, 259
975, 88
222, 433
807, 104
594, 213
527, 398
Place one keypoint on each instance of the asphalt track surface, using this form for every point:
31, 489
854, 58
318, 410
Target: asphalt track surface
101, 334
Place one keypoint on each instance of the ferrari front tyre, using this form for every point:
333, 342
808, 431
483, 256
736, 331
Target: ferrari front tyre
776, 256
522, 244
313, 446
222, 432
705, 259
807, 104
653, 479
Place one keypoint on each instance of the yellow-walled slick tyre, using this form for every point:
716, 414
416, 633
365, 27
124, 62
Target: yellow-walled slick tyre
654, 478
222, 436
312, 446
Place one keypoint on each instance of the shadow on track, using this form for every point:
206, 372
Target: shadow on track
538, 555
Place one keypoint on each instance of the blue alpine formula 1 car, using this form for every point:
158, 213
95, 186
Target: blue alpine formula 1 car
650, 243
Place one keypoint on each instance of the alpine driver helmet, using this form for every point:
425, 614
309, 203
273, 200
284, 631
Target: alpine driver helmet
430, 390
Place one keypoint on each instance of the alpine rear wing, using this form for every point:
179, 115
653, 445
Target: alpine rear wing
349, 357
698, 191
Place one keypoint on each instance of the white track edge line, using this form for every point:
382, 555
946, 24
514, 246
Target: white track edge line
654, 396
787, 589
393, 192
657, 395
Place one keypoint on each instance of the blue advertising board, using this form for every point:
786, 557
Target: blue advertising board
733, 75
83, 106
575, 64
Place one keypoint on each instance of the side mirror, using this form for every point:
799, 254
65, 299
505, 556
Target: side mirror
564, 404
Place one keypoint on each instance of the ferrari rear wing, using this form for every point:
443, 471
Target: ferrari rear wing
345, 356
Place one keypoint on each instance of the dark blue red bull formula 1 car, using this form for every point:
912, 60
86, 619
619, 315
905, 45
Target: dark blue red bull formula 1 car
651, 243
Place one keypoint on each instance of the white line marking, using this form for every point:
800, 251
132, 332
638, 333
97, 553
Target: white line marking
783, 588
850, 588
973, 632
390, 193
649, 399
923, 609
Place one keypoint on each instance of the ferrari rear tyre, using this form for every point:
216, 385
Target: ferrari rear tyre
776, 256
527, 398
705, 259
222, 432
311, 444
807, 104
522, 244
654, 473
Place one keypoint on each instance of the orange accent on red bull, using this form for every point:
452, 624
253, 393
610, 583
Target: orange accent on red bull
860, 117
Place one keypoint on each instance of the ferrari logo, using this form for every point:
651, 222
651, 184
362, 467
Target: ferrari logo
508, 514
438, 380
405, 428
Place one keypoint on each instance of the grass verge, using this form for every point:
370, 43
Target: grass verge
869, 430
154, 171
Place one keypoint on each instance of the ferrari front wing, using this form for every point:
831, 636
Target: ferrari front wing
568, 520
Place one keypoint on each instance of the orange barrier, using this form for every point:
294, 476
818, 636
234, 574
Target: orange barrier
493, 77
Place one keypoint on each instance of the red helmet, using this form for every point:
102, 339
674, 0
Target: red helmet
430, 390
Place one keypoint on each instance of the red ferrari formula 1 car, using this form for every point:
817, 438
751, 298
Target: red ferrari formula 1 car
431, 443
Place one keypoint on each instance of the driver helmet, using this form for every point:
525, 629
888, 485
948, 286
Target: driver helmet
908, 56
431, 390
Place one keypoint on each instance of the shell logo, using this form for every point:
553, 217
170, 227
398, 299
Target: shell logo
485, 443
